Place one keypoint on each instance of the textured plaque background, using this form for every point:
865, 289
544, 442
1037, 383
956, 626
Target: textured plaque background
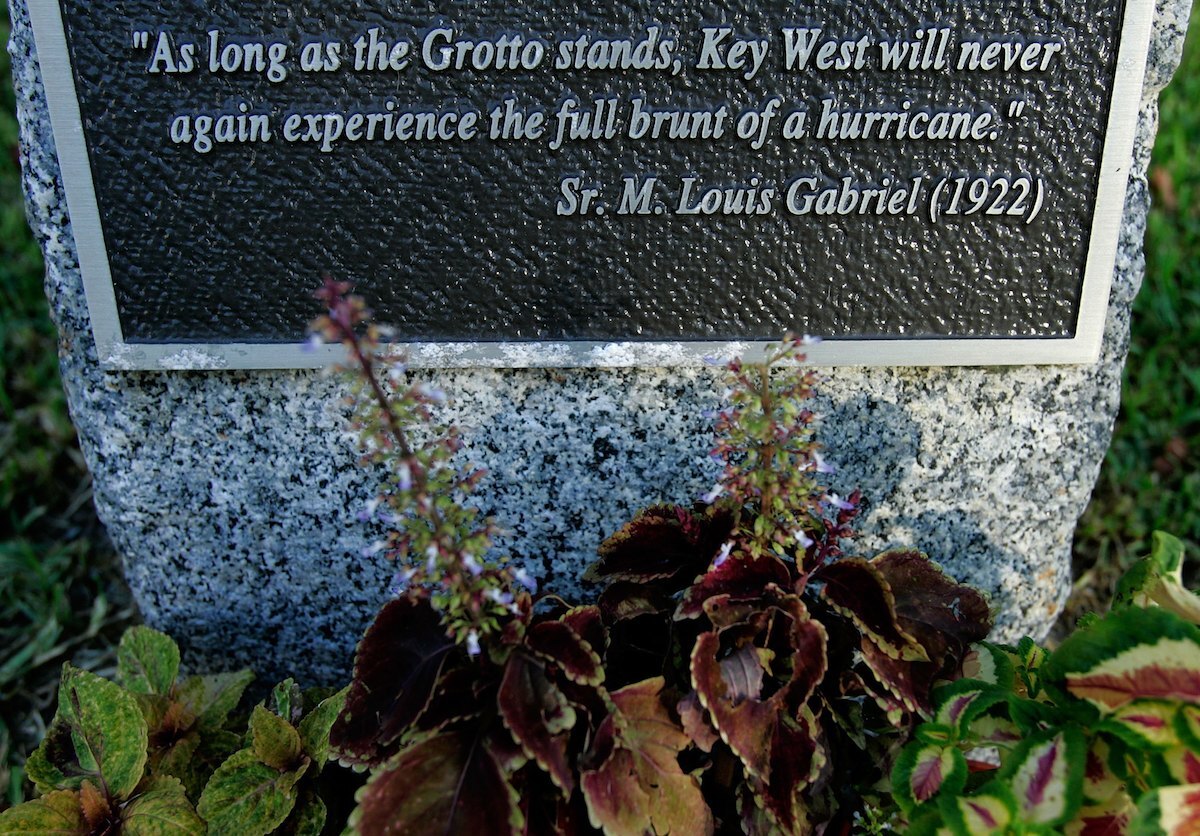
460, 241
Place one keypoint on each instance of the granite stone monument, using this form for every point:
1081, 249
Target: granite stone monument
563, 209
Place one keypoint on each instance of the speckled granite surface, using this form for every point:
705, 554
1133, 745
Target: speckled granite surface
232, 495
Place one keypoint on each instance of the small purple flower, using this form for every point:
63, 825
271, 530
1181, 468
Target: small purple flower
404, 477
504, 599
431, 393
712, 496
431, 556
811, 340
526, 580
823, 466
839, 503
313, 342
400, 581
374, 549
802, 539
472, 565
723, 555
473, 644
367, 513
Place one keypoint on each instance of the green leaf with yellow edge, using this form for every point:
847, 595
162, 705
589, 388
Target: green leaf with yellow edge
1113, 817
245, 797
55, 814
314, 728
147, 661
1132, 654
959, 703
923, 770
1045, 774
989, 664
1182, 764
990, 810
1147, 724
99, 733
1172, 811
275, 741
161, 809
211, 698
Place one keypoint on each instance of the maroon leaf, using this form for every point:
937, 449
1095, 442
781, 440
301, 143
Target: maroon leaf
660, 542
539, 717
449, 783
557, 643
944, 616
455, 698
696, 723
747, 725
396, 667
796, 761
910, 683
588, 623
625, 599
739, 578
743, 674
857, 589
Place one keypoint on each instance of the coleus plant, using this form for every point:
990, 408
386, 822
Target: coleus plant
155, 754
738, 672
1100, 736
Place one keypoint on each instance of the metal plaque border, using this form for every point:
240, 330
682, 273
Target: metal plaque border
116, 354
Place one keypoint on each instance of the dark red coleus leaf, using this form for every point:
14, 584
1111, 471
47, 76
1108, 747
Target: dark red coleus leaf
857, 589
539, 716
796, 761
664, 541
448, 783
740, 705
737, 579
624, 600
588, 623
459, 695
909, 683
396, 667
696, 723
557, 643
944, 616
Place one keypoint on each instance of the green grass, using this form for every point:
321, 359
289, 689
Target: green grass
1151, 476
61, 596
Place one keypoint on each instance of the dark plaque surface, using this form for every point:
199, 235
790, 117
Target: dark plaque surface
589, 173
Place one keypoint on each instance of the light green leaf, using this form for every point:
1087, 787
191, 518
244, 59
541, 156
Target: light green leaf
276, 741
98, 733
162, 809
55, 814
245, 797
211, 698
314, 728
287, 700
147, 661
